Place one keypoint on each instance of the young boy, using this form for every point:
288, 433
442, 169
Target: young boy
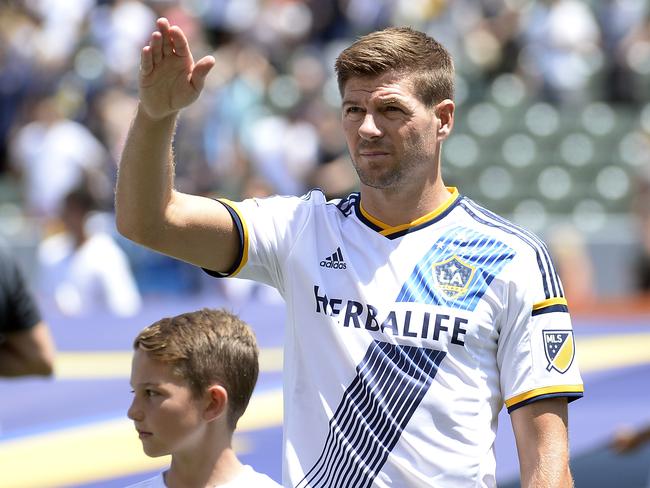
192, 377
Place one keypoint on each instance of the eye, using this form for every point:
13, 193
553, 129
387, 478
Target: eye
353, 110
150, 393
393, 108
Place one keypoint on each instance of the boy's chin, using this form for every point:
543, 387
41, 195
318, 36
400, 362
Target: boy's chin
154, 451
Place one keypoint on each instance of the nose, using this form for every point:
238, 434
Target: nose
368, 128
134, 412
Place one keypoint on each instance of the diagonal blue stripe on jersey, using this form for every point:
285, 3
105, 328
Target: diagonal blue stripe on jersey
390, 384
541, 245
475, 260
550, 278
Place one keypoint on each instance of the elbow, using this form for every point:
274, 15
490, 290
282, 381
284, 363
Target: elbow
43, 368
132, 228
38, 365
142, 224
125, 226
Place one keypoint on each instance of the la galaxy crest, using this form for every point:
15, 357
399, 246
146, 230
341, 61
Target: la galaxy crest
453, 276
559, 348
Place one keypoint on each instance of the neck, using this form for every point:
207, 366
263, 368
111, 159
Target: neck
402, 206
203, 467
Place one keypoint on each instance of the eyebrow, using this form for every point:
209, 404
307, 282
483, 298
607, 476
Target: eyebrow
146, 383
349, 101
391, 99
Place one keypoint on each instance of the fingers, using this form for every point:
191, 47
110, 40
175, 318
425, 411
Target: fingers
146, 61
179, 41
168, 40
163, 28
156, 47
200, 71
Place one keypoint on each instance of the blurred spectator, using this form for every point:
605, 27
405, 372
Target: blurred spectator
54, 154
627, 439
26, 346
574, 264
562, 38
620, 21
83, 269
641, 211
270, 111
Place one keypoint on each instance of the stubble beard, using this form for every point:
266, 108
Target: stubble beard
394, 176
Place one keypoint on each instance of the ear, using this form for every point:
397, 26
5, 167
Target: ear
445, 113
217, 406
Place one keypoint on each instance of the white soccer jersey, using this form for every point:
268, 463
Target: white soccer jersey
403, 343
247, 478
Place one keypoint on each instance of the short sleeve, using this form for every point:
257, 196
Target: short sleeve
269, 229
536, 350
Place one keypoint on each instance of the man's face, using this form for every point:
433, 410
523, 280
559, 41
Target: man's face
166, 415
391, 135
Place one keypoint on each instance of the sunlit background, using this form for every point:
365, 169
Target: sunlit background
552, 131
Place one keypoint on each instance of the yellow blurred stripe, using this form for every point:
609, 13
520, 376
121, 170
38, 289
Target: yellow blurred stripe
104, 450
117, 364
594, 354
612, 351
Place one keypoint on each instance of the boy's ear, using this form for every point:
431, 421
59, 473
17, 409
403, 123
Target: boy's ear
217, 406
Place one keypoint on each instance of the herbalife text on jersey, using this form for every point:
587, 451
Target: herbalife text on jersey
360, 315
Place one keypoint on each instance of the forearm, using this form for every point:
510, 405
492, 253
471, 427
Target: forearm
146, 177
541, 432
12, 363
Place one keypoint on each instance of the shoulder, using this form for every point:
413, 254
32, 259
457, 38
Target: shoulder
250, 477
525, 242
311, 202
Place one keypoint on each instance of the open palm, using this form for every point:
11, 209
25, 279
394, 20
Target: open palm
169, 78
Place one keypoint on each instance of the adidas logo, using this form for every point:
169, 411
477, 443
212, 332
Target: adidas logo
335, 261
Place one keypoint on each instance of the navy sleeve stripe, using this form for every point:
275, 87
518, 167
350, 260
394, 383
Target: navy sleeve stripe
570, 396
550, 309
240, 255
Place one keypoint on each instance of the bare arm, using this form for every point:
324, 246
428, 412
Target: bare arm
541, 432
27, 352
148, 209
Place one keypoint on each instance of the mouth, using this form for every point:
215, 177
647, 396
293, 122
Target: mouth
373, 154
143, 434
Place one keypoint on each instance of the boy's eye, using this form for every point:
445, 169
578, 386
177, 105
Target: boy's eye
149, 392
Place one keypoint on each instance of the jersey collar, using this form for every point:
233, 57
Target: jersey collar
397, 231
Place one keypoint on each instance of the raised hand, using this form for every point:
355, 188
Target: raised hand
169, 77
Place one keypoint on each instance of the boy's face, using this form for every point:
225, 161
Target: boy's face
166, 415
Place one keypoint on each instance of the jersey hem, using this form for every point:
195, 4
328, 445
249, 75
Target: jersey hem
551, 305
569, 396
574, 391
242, 256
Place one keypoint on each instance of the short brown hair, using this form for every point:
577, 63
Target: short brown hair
207, 347
405, 51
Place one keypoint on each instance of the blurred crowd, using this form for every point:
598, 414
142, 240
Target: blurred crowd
268, 120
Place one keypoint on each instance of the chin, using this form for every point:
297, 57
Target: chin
154, 451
